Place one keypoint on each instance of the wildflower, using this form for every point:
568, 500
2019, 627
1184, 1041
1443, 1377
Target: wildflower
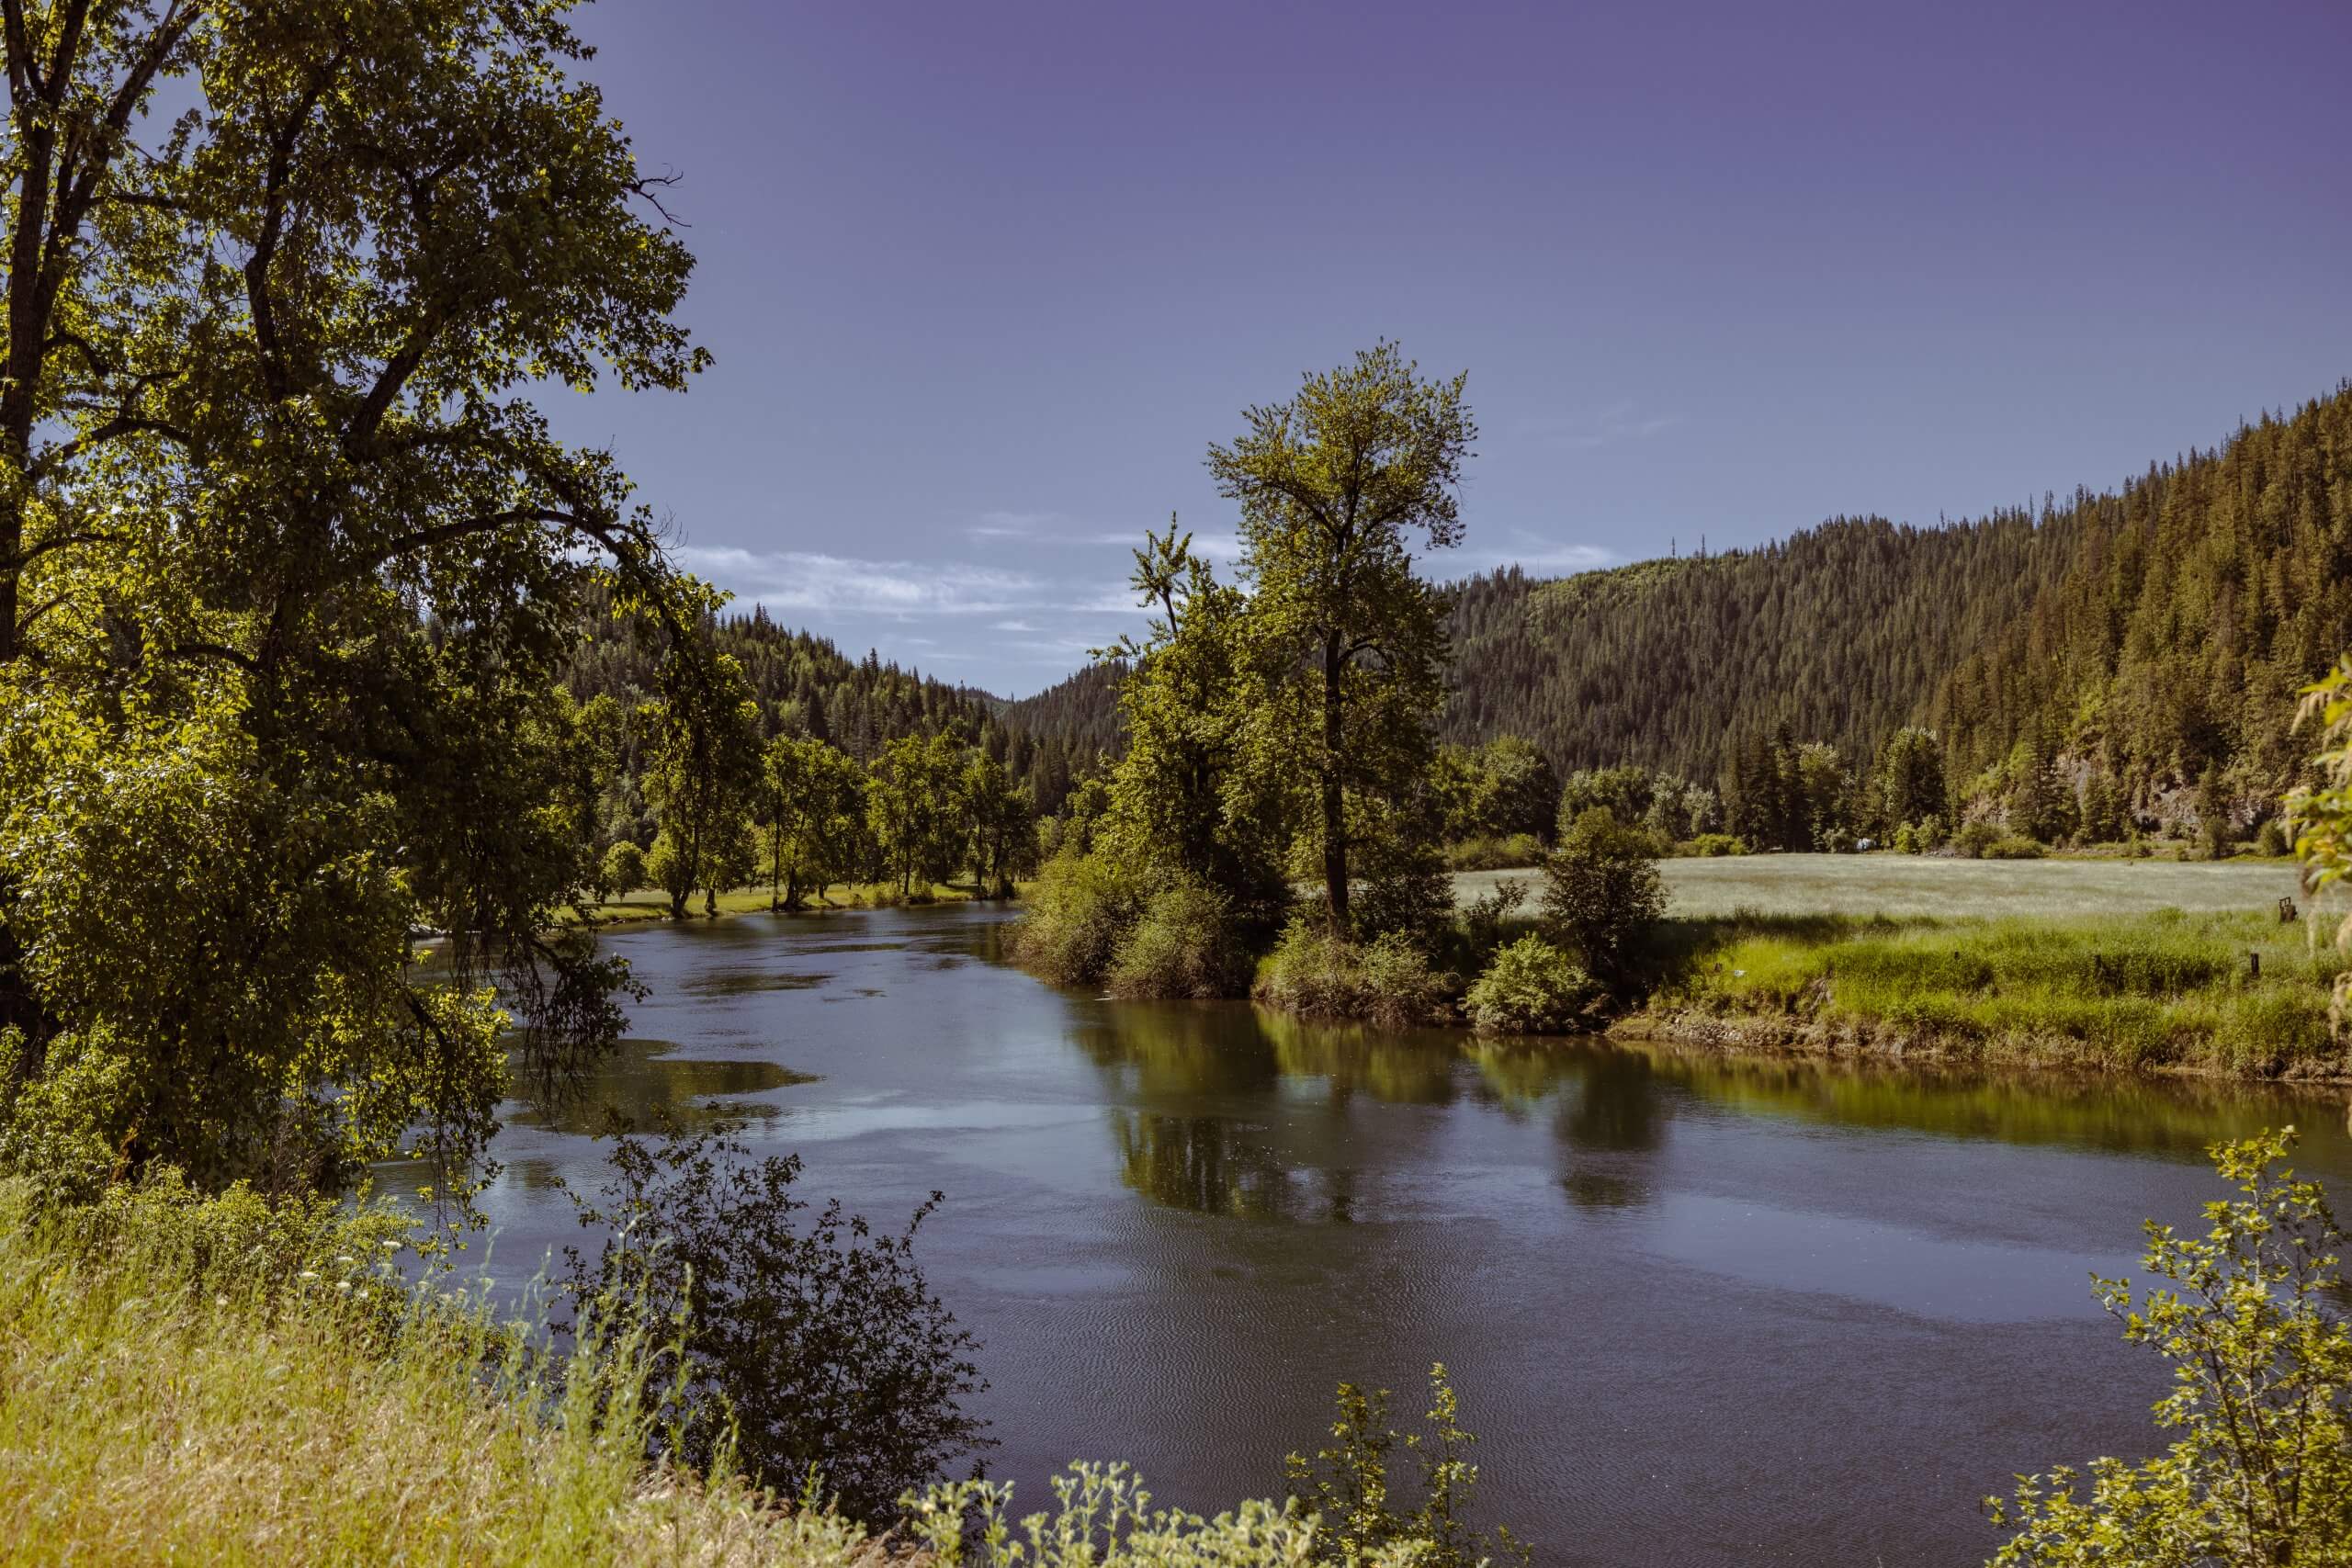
308, 1274
343, 1284
221, 1301
344, 1258
391, 1247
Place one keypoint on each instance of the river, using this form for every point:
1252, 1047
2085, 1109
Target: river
1699, 1311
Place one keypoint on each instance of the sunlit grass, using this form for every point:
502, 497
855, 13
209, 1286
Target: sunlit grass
2228, 992
215, 1382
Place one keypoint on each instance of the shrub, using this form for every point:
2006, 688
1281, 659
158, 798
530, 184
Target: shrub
2015, 846
1316, 974
1603, 892
1184, 946
1713, 845
2271, 841
1490, 853
1350, 1490
1077, 916
623, 872
1974, 838
1102, 1518
812, 1346
2248, 1316
1533, 988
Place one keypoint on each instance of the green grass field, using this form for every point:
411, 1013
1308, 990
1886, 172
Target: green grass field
1907, 886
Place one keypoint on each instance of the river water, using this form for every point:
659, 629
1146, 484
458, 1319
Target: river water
1699, 1311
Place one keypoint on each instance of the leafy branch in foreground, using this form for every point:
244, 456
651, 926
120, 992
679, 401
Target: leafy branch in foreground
2262, 1363
1348, 1487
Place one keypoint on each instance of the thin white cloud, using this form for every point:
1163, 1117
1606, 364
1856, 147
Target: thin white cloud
1581, 432
807, 582
1004, 525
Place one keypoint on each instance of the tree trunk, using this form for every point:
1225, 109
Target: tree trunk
1334, 822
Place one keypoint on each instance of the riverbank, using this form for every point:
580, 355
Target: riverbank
2233, 995
640, 907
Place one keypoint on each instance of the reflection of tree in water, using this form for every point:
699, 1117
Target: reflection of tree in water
1206, 1164
1614, 1106
1609, 1115
1397, 1067
1181, 1049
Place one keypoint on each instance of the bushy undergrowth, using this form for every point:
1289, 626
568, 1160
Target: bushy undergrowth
1092, 921
812, 1345
1533, 988
1076, 917
1315, 973
1184, 946
2166, 989
1509, 853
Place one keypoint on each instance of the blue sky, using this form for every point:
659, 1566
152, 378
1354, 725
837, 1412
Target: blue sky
984, 281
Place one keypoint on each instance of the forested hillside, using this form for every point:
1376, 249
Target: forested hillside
2150, 638
806, 686
1841, 633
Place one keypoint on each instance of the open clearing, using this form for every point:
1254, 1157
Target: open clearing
1930, 886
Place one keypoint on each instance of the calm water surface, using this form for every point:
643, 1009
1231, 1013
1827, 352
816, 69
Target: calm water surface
1699, 1312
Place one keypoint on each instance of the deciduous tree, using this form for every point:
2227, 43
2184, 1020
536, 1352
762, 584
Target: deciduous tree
1335, 486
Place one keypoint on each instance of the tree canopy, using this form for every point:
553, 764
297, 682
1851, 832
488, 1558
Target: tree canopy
290, 561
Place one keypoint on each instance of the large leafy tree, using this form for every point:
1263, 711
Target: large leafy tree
289, 560
1336, 485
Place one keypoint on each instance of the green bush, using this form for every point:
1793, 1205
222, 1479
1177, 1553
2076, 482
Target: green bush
1076, 916
1713, 845
1358, 1496
1974, 838
1185, 946
2271, 841
1490, 853
1533, 988
1603, 893
1316, 974
2016, 846
811, 1345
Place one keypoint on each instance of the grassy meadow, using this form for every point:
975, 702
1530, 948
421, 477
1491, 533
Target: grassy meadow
1930, 886
2102, 964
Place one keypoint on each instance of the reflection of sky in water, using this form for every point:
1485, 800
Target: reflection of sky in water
1701, 1310
1957, 1280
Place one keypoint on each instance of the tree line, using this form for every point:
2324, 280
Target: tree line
2105, 664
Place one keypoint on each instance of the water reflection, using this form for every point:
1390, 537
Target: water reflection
644, 1084
1210, 1165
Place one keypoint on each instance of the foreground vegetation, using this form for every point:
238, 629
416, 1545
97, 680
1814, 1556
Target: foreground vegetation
233, 1378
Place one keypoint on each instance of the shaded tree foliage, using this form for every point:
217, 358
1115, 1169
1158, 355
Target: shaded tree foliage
289, 562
